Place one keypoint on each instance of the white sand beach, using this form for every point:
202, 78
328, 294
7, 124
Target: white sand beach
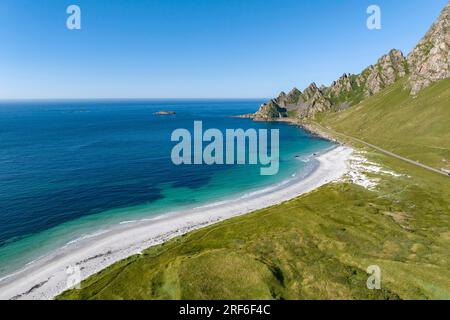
47, 277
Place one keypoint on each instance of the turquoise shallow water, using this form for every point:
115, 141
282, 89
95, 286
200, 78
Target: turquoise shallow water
70, 170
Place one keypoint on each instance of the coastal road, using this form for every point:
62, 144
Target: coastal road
389, 153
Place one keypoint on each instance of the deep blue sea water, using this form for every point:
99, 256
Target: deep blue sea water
71, 169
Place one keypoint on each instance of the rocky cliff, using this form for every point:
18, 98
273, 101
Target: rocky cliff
427, 63
295, 103
270, 110
430, 59
389, 68
351, 89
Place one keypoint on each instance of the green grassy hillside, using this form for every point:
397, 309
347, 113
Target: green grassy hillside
414, 127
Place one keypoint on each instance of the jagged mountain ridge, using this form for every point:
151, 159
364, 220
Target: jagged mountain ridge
428, 62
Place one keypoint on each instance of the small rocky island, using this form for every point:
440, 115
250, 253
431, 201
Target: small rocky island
164, 113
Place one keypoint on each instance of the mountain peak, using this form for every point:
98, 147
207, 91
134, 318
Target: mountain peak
430, 59
294, 91
389, 68
312, 86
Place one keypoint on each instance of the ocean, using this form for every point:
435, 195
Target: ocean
70, 170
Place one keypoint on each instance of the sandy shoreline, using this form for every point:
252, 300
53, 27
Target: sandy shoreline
48, 277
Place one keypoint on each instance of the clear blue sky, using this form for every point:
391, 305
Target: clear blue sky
195, 48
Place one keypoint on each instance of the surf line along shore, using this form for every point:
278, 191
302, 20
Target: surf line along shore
47, 277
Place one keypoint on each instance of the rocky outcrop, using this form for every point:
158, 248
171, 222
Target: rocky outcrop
345, 91
341, 86
305, 104
313, 101
270, 110
283, 100
389, 68
293, 97
280, 100
430, 59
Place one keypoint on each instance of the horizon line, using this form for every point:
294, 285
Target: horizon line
121, 99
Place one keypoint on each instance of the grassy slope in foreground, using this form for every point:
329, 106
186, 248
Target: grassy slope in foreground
414, 127
316, 246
